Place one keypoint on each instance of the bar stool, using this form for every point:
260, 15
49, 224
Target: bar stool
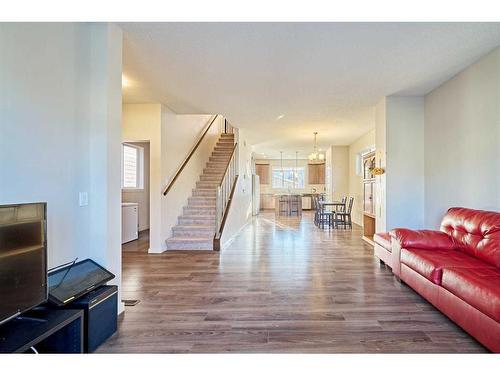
294, 205
283, 206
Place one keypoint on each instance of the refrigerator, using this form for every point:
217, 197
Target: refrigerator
255, 194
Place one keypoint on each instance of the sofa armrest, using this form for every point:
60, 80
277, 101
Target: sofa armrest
421, 239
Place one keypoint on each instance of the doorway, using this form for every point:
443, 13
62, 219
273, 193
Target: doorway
135, 196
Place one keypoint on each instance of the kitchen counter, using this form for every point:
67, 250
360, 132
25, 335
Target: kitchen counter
307, 203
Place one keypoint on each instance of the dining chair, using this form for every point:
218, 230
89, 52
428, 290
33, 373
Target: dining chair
344, 218
314, 200
343, 201
324, 216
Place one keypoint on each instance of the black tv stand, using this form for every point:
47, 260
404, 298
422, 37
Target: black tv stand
46, 329
30, 318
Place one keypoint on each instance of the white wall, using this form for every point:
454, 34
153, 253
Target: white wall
380, 161
141, 196
337, 172
405, 162
142, 122
359, 146
240, 211
340, 172
400, 150
60, 105
462, 141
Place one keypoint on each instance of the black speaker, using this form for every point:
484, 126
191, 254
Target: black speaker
100, 308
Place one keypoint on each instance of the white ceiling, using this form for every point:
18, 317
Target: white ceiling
323, 77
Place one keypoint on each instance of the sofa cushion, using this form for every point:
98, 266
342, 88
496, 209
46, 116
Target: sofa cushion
430, 263
383, 239
478, 287
475, 232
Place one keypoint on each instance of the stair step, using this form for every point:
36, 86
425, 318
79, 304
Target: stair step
193, 231
216, 165
224, 155
207, 185
204, 192
199, 209
221, 153
216, 171
211, 177
201, 201
197, 220
188, 243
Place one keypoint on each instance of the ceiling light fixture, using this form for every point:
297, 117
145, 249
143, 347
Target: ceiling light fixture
316, 157
280, 117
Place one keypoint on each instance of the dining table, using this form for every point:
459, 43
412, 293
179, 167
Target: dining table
334, 204
338, 207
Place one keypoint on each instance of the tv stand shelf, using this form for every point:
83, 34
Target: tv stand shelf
48, 330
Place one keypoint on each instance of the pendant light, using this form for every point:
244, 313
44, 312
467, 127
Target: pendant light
316, 156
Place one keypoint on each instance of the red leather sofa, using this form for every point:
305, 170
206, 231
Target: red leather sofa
383, 249
457, 269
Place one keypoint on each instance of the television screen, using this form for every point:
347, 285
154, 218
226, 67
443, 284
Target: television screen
23, 258
74, 280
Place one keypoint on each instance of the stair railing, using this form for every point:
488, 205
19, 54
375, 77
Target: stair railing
191, 152
225, 190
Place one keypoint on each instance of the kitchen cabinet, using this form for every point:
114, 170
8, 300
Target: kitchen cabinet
262, 170
267, 201
316, 175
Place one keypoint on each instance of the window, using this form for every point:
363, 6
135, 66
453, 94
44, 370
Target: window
288, 178
132, 166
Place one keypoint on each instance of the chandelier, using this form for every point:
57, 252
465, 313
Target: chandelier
316, 156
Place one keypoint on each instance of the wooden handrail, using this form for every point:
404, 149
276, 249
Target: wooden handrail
218, 235
186, 160
228, 164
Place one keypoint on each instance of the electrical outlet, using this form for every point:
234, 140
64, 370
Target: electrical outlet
83, 198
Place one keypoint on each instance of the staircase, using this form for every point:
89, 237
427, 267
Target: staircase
196, 226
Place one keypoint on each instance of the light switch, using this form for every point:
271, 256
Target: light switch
83, 198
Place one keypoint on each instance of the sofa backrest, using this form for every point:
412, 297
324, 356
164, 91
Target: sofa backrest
475, 232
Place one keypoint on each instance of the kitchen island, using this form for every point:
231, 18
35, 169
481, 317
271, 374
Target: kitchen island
288, 204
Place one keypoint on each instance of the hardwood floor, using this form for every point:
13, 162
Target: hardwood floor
140, 245
281, 286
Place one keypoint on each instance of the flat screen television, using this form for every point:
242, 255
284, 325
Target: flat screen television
23, 258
